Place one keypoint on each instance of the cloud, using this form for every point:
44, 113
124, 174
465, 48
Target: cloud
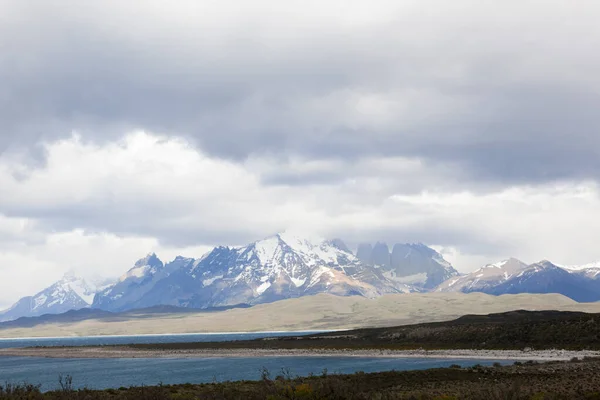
149, 185
507, 93
29, 267
468, 125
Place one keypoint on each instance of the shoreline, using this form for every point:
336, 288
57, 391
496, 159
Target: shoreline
309, 331
125, 352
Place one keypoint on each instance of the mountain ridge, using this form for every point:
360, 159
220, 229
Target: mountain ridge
286, 265
281, 266
69, 293
513, 276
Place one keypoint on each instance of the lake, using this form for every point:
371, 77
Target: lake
115, 340
115, 373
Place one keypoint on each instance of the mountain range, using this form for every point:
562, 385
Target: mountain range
278, 267
289, 266
70, 293
580, 283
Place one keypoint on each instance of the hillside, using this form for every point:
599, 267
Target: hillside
320, 312
513, 330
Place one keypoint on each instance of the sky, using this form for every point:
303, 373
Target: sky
172, 127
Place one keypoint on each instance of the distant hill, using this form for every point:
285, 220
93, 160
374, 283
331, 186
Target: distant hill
85, 314
319, 312
514, 330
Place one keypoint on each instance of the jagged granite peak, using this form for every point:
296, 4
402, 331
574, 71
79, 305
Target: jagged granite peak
143, 267
133, 284
409, 263
381, 255
280, 266
364, 253
487, 276
69, 293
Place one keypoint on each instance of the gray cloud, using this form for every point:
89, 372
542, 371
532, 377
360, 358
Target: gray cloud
507, 95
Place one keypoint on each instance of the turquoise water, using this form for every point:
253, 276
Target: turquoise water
115, 373
112, 340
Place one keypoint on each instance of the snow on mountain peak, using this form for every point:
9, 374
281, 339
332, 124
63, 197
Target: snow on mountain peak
498, 265
82, 289
271, 250
70, 292
593, 265
487, 276
148, 265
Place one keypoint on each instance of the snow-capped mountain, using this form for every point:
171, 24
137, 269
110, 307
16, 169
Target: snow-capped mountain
545, 277
580, 283
414, 264
485, 277
70, 293
591, 270
133, 284
278, 267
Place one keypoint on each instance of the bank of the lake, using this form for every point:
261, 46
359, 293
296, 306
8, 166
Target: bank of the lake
519, 381
120, 352
125, 372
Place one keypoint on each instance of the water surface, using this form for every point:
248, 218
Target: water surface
115, 373
144, 339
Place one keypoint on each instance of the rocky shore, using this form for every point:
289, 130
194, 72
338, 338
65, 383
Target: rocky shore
128, 352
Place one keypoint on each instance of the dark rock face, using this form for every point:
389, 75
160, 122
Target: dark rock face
364, 253
381, 255
415, 264
131, 286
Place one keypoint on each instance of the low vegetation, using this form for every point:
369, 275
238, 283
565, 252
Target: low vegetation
512, 331
578, 379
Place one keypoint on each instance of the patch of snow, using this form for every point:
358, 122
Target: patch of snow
54, 302
437, 257
208, 282
594, 265
82, 290
266, 250
298, 282
453, 282
409, 279
136, 272
495, 265
316, 276
261, 289
40, 301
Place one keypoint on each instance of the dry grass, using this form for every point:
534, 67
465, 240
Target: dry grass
320, 312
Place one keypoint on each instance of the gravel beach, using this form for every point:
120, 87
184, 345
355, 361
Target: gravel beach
126, 352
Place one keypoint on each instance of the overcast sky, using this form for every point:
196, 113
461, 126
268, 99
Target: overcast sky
130, 127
